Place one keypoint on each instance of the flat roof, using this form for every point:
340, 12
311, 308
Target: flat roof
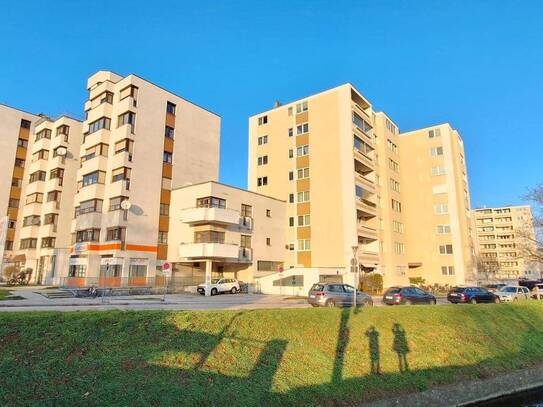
20, 110
228, 186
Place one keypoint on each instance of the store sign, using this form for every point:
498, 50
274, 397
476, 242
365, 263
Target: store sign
80, 247
77, 261
138, 262
111, 261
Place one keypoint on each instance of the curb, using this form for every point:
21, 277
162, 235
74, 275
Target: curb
84, 305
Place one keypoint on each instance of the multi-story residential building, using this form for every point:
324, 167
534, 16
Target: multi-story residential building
225, 231
503, 237
139, 142
319, 154
436, 205
15, 129
48, 189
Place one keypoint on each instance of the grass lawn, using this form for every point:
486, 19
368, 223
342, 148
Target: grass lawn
261, 357
4, 294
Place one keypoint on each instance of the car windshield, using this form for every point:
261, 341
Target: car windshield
458, 290
393, 291
215, 280
348, 288
509, 290
317, 287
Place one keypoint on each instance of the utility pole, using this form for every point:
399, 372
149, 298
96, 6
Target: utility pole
355, 266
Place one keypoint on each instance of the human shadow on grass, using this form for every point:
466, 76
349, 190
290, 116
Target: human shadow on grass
400, 346
374, 352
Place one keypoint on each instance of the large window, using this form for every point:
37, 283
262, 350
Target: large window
115, 203
92, 205
32, 220
50, 218
264, 265
447, 270
115, 234
129, 91
30, 243
127, 118
245, 241
40, 155
446, 249
302, 150
304, 245
87, 235
361, 123
45, 133
77, 270
301, 107
302, 128
435, 151
48, 242
441, 209
396, 206
53, 196
304, 220
209, 236
443, 229
169, 132
211, 202
167, 157
101, 123
302, 173
37, 176
96, 177
246, 210
303, 196
94, 151
261, 181
434, 133
63, 130
36, 197
170, 108
119, 174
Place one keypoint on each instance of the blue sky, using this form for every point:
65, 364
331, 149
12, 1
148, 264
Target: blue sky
476, 64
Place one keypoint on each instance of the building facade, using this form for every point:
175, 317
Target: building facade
503, 236
436, 206
48, 189
139, 142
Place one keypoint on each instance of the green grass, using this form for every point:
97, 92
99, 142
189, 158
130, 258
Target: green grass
4, 294
260, 357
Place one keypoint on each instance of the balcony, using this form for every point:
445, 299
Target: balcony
368, 258
364, 160
368, 185
368, 209
99, 136
209, 250
87, 220
367, 232
210, 215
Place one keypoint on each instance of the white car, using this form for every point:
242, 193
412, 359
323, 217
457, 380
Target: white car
511, 293
220, 285
537, 292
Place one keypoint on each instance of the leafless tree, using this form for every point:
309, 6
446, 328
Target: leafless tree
531, 246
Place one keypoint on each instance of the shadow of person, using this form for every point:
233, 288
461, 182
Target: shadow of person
342, 341
400, 346
373, 339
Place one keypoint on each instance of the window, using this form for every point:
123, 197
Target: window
129, 91
22, 143
211, 202
361, 123
268, 213
302, 128
302, 150
291, 198
289, 111
170, 108
37, 176
303, 173
434, 133
268, 241
435, 151
162, 237
87, 235
115, 234
263, 160
394, 185
443, 229
16, 182
77, 270
304, 220
115, 203
28, 243
303, 196
291, 221
104, 97
48, 242
124, 145
32, 220
397, 226
438, 170
290, 132
399, 248
391, 127
166, 183
127, 118
45, 133
94, 151
57, 173
447, 270
50, 218
261, 181
19, 162
96, 177
290, 153
263, 265
12, 224
53, 196
393, 165
25, 124
301, 107
262, 120
246, 211
391, 146
304, 245
169, 132
446, 249
92, 205
164, 209
101, 123
209, 236
36, 197
441, 209
167, 157
63, 130
119, 174
40, 155
396, 206
290, 175
262, 140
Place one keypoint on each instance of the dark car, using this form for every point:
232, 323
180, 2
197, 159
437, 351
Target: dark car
336, 294
407, 296
472, 295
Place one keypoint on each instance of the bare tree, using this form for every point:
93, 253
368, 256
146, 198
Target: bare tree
532, 236
487, 269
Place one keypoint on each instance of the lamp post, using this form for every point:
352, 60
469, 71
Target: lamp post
355, 266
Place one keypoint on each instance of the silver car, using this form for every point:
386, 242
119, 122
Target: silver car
336, 295
513, 293
537, 292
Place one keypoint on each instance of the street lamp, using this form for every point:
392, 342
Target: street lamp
355, 265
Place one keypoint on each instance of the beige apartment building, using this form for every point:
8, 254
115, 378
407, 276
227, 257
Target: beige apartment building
139, 142
15, 129
327, 155
48, 189
502, 236
225, 231
436, 205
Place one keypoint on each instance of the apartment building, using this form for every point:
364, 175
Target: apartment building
48, 189
220, 230
139, 142
436, 205
323, 156
15, 129
503, 235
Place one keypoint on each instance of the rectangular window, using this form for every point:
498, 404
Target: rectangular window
302, 150
95, 177
441, 209
290, 153
32, 220
435, 151
397, 226
290, 132
262, 140
124, 145
37, 176
162, 237
399, 248
104, 97
302, 173
119, 174
164, 209
170, 108
303, 196
36, 197
393, 165
63, 130
443, 229
291, 221
302, 128
209, 236
261, 181
115, 234
19, 162
262, 120
394, 185
92, 205
16, 182
48, 242
87, 235
22, 143
53, 196
129, 91
446, 249
57, 173
169, 132
290, 175
211, 202
263, 160
246, 211
40, 155
167, 157
268, 241
391, 146
28, 243
45, 133
127, 118
101, 123
245, 241
447, 270
304, 220
434, 133
301, 107
396, 206
263, 265
25, 124
115, 203
304, 245
50, 218
77, 270
438, 170
361, 123
291, 198
94, 151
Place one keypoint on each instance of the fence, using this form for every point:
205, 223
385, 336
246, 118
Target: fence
174, 284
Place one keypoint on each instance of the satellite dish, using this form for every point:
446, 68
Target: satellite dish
126, 205
62, 151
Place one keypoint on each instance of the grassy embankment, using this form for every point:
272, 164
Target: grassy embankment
261, 357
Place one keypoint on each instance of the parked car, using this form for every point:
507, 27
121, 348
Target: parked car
513, 293
407, 296
220, 285
494, 287
336, 295
472, 295
537, 292
530, 284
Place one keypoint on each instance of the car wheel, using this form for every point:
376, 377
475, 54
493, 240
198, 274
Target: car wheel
408, 302
496, 300
331, 304
234, 290
214, 291
473, 301
433, 301
367, 303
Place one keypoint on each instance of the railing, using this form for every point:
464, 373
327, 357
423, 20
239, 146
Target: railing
131, 282
246, 253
